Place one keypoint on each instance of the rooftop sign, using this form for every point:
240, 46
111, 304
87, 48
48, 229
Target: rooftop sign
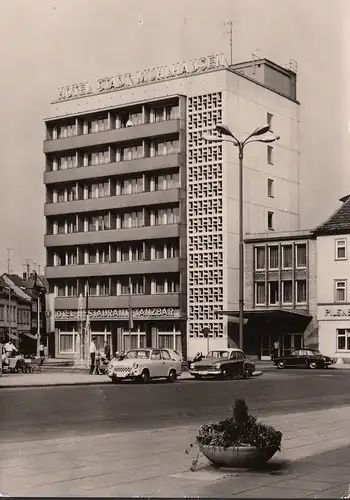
150, 75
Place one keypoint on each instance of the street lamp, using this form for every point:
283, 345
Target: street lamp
258, 135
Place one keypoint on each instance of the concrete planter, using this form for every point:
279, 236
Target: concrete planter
245, 457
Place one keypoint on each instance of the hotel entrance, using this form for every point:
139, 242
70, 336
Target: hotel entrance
285, 344
264, 329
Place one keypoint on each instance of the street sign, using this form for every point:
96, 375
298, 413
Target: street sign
206, 332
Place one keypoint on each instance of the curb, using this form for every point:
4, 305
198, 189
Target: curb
257, 373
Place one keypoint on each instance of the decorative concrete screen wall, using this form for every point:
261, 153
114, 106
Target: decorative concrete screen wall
205, 217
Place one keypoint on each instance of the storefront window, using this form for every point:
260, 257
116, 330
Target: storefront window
66, 343
343, 340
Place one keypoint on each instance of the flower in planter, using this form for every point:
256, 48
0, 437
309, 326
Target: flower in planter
242, 429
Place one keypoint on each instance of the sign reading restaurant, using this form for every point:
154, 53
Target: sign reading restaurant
115, 314
150, 75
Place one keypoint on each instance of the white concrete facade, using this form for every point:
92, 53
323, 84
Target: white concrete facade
333, 295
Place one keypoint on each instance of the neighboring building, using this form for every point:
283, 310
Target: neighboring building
280, 292
333, 282
15, 316
29, 290
132, 190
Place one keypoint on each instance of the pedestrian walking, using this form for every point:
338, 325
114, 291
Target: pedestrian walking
92, 355
41, 353
97, 370
107, 351
10, 349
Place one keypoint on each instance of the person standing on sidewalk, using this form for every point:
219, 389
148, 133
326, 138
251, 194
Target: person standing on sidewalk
10, 348
107, 351
92, 355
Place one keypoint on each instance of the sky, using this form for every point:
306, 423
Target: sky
46, 44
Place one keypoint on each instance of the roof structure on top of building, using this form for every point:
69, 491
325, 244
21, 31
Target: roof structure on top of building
338, 222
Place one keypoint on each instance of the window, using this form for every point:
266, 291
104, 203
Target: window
270, 221
60, 196
270, 188
99, 158
287, 256
300, 255
173, 286
273, 257
273, 293
132, 186
167, 216
260, 294
343, 340
340, 290
270, 155
132, 153
166, 355
259, 258
287, 292
269, 117
340, 249
66, 342
300, 289
168, 181
133, 219
160, 286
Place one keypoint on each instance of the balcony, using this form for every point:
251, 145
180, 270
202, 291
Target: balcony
113, 269
122, 301
113, 235
149, 164
113, 202
112, 136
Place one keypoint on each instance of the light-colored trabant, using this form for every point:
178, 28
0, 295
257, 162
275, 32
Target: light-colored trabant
144, 364
223, 363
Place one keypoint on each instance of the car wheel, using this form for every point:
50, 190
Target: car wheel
312, 365
247, 373
144, 377
198, 377
281, 364
172, 376
115, 380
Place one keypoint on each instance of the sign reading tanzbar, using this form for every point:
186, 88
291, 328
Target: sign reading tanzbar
149, 75
115, 314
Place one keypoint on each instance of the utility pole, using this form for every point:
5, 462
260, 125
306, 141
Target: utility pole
229, 31
9, 250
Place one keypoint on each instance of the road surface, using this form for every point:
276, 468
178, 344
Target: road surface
45, 412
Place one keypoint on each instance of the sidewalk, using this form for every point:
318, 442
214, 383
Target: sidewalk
52, 379
153, 463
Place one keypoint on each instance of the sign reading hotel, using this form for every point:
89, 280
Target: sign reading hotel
149, 75
115, 314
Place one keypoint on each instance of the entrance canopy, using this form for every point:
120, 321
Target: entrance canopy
288, 321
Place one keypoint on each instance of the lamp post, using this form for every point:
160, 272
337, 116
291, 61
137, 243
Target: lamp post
258, 135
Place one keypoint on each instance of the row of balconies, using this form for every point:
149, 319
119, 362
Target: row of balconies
121, 202
130, 167
113, 235
119, 135
152, 267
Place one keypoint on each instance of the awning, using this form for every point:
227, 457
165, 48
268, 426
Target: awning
29, 335
13, 336
287, 320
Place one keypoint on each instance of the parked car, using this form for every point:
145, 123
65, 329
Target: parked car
223, 363
303, 358
143, 365
176, 355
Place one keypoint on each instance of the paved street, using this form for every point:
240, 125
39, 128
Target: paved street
76, 440
47, 412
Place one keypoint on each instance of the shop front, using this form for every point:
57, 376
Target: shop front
154, 327
265, 330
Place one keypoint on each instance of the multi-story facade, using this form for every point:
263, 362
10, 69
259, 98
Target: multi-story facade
15, 316
333, 273
280, 292
133, 191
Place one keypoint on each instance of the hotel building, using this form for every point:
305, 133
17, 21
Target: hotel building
133, 191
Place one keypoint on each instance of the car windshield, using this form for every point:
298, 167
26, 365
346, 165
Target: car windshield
218, 354
137, 354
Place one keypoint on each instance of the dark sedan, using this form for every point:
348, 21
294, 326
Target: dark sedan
303, 358
223, 363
